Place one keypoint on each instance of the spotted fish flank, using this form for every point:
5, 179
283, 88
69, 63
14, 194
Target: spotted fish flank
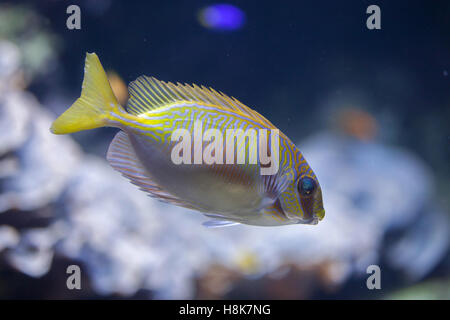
141, 151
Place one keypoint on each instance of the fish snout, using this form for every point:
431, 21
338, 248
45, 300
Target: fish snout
313, 210
311, 221
320, 214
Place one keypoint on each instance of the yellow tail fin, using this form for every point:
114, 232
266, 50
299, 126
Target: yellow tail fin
97, 100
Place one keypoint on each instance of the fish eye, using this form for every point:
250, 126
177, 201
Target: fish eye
306, 186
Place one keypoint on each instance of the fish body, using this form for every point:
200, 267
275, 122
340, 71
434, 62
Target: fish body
164, 123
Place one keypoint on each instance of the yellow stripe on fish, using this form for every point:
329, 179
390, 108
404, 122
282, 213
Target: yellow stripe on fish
228, 193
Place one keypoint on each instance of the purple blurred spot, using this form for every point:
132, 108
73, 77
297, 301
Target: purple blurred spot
222, 16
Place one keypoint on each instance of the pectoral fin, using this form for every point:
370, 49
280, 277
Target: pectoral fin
219, 223
273, 186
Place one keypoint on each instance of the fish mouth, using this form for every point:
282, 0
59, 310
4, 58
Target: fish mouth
311, 221
320, 214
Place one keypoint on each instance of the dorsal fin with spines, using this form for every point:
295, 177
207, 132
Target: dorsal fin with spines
149, 93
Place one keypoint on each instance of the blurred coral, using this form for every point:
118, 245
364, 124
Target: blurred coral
129, 242
21, 25
380, 200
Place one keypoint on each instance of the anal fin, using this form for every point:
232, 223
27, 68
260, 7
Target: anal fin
121, 157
